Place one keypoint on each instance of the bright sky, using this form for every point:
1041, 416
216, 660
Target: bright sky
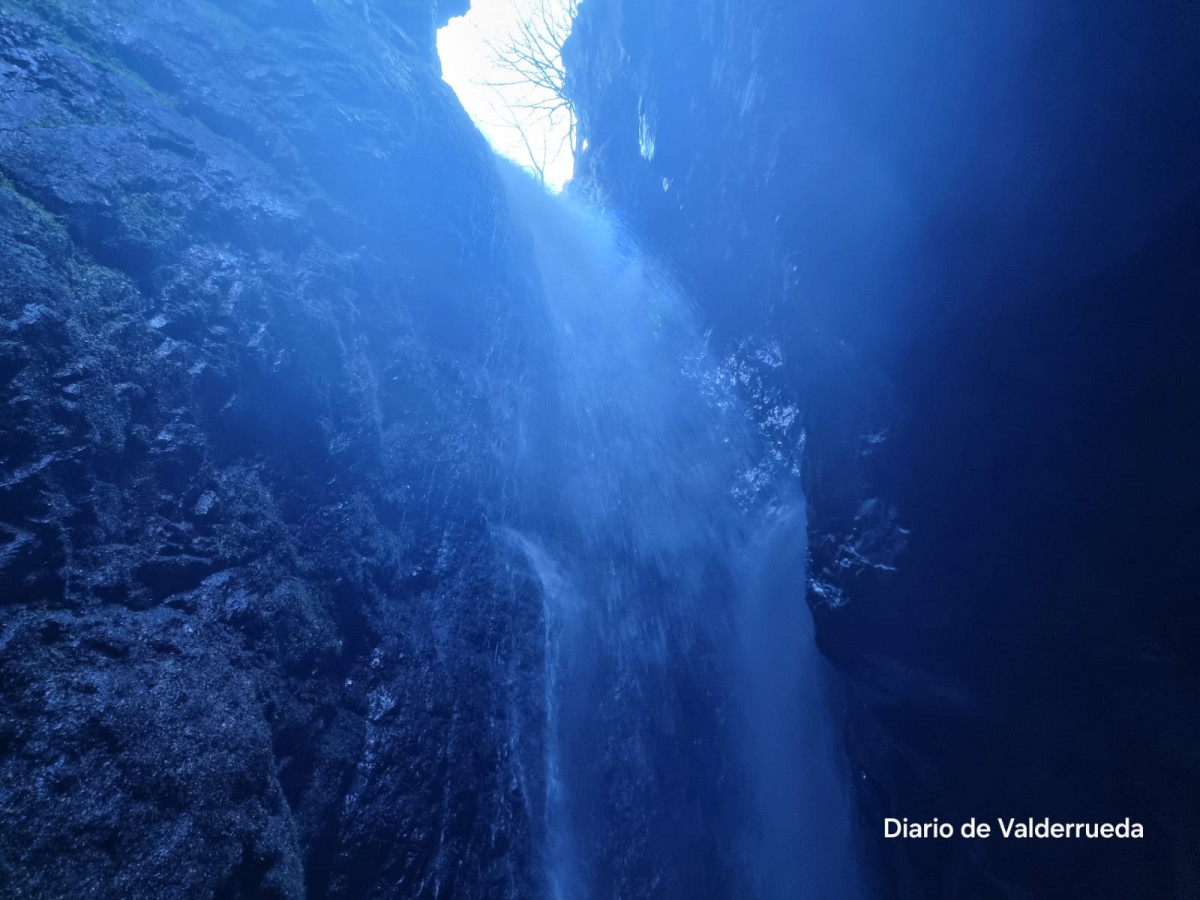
465, 46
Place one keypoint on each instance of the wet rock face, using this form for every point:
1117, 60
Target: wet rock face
970, 236
256, 278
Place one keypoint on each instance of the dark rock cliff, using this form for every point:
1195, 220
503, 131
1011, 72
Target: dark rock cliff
966, 236
259, 294
255, 282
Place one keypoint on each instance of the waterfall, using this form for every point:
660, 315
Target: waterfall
559, 598
804, 843
689, 746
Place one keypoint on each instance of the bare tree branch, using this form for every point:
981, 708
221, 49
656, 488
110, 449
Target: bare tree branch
531, 56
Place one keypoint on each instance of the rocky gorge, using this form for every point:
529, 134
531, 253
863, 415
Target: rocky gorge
291, 560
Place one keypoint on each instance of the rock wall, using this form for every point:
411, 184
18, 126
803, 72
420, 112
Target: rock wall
257, 288
963, 242
265, 340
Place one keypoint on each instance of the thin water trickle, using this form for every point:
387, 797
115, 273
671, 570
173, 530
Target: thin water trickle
558, 600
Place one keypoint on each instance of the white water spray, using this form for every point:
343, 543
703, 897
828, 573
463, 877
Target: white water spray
680, 654
803, 845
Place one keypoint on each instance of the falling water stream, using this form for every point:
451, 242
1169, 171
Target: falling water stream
803, 844
689, 747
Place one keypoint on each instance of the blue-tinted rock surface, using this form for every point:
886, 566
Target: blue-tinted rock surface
270, 329
253, 254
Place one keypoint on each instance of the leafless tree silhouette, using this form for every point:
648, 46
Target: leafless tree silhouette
530, 55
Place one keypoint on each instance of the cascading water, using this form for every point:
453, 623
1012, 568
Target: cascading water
804, 844
689, 747
558, 599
